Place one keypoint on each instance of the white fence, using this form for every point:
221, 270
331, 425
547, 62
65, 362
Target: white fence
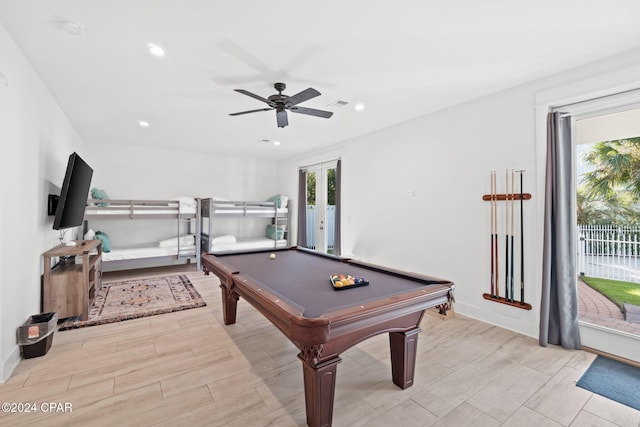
330, 222
609, 252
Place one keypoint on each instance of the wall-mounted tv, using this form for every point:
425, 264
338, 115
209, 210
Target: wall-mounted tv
71, 204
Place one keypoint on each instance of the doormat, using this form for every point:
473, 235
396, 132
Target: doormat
132, 299
614, 380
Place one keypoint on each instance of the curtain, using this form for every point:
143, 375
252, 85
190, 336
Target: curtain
559, 302
302, 208
337, 228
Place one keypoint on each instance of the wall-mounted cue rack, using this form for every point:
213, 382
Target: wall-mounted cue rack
487, 197
509, 197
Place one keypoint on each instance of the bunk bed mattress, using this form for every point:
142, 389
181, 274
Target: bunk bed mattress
147, 252
99, 210
226, 210
248, 244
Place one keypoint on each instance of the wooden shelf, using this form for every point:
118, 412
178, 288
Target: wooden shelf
525, 196
502, 300
69, 289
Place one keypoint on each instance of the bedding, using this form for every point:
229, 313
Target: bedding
141, 207
99, 194
275, 232
247, 244
106, 242
188, 240
224, 239
146, 252
280, 200
218, 206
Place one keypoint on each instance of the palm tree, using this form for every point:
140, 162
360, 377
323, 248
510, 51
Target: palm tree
616, 173
610, 192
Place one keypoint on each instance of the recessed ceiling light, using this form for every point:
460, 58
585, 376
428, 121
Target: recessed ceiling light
359, 106
276, 143
143, 123
155, 49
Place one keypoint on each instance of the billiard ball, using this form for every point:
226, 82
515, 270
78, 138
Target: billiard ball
272, 256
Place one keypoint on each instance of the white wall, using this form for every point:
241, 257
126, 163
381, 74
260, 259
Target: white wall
128, 172
412, 193
35, 142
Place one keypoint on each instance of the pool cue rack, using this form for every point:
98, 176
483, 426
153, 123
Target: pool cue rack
489, 197
503, 300
507, 197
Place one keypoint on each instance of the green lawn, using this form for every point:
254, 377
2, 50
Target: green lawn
617, 291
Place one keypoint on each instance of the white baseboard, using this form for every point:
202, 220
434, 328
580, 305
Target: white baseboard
9, 364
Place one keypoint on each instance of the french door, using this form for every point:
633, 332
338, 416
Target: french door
605, 255
320, 207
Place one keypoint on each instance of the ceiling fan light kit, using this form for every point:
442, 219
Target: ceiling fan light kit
281, 103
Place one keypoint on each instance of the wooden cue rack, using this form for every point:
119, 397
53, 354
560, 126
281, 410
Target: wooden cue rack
495, 298
503, 300
488, 197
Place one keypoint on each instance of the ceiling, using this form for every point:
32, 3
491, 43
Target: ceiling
400, 60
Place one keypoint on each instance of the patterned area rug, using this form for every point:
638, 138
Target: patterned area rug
132, 299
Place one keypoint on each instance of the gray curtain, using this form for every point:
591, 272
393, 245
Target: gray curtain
559, 303
302, 208
337, 228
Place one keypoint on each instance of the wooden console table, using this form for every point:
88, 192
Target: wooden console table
69, 288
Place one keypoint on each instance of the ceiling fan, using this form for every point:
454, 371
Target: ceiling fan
281, 103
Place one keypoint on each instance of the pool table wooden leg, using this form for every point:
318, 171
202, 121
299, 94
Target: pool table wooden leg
403, 347
229, 305
319, 389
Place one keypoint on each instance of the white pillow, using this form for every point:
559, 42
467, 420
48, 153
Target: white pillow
90, 235
186, 201
187, 240
224, 239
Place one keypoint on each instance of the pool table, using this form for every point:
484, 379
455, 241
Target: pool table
292, 288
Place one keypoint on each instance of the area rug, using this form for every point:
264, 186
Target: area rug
614, 380
132, 299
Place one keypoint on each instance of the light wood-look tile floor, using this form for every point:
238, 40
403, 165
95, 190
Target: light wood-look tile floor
188, 369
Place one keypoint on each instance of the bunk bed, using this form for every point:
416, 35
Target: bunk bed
276, 234
182, 245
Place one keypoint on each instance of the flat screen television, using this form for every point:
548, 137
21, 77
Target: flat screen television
72, 202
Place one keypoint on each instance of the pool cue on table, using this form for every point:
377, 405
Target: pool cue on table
493, 246
521, 172
506, 236
512, 196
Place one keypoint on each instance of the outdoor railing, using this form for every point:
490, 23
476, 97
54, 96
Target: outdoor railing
330, 221
609, 252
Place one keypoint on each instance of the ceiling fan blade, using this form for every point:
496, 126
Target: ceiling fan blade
281, 117
311, 112
250, 111
253, 95
301, 97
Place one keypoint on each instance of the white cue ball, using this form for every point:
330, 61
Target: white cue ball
272, 256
